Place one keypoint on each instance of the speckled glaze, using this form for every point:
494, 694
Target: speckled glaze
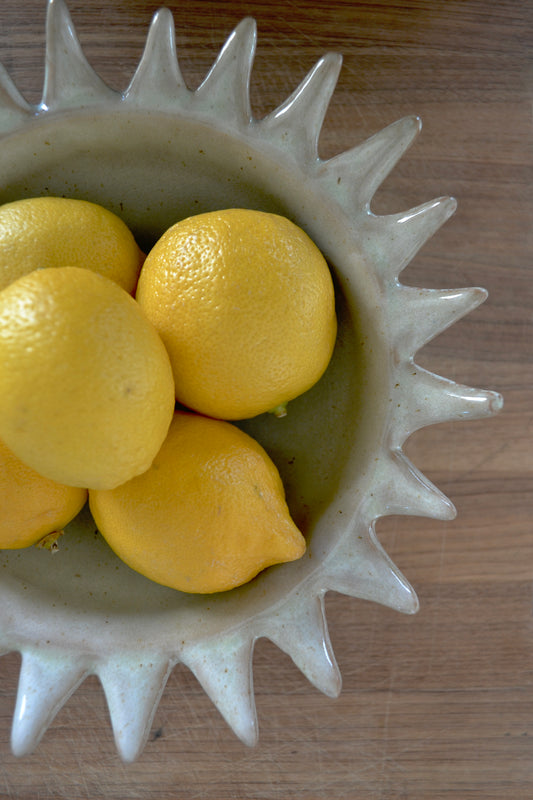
153, 154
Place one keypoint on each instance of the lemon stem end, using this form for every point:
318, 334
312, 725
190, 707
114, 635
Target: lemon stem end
279, 411
49, 542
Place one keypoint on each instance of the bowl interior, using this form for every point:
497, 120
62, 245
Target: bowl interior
152, 170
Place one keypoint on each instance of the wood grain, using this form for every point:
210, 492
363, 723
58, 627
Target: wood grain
439, 705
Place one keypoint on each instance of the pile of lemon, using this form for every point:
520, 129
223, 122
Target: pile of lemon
120, 374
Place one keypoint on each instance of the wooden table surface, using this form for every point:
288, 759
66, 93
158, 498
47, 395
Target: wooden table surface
440, 704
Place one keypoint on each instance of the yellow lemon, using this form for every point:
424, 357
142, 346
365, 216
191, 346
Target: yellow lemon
244, 303
32, 507
57, 232
86, 389
207, 516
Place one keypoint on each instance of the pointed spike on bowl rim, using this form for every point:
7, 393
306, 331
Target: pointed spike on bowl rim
425, 313
297, 122
301, 631
69, 79
158, 79
46, 682
14, 110
359, 172
362, 569
398, 237
133, 685
226, 87
224, 670
429, 399
402, 489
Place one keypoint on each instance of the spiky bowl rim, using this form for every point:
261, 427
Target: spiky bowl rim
61, 642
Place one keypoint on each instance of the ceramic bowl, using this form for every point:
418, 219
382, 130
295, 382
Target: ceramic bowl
153, 154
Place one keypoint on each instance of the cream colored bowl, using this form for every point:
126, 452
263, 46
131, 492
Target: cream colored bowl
154, 154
